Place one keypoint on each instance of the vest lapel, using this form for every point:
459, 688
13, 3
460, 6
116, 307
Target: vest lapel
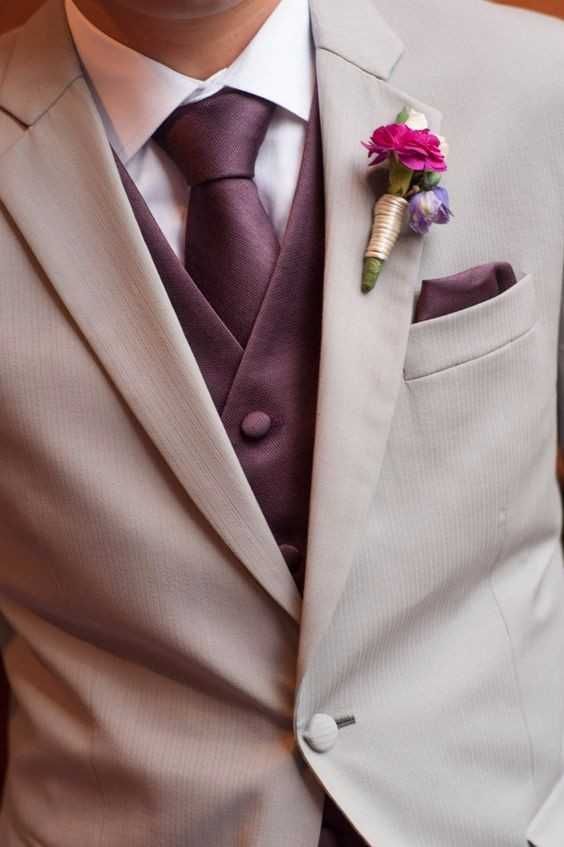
60, 185
217, 351
364, 336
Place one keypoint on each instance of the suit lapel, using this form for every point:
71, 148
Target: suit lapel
60, 185
364, 336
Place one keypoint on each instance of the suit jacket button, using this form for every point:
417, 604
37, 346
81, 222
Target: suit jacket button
256, 425
321, 733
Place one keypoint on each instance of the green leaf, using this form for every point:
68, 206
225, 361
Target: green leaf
403, 115
370, 273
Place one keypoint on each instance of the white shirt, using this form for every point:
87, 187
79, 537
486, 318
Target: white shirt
135, 94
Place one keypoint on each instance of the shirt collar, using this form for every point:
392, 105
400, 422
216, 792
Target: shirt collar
135, 93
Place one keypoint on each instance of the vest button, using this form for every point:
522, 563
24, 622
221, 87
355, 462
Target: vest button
292, 556
256, 425
321, 733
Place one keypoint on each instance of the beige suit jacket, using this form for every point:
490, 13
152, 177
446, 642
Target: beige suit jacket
163, 667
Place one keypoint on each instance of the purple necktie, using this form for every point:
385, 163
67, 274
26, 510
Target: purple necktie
231, 245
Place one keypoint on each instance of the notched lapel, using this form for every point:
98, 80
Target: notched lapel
60, 185
43, 62
364, 336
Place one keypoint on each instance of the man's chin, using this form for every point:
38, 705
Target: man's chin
180, 10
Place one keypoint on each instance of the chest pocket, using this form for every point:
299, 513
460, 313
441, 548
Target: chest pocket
475, 413
451, 340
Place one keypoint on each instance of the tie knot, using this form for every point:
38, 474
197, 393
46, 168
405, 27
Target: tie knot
217, 137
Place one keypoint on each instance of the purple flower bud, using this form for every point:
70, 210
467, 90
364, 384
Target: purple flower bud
428, 207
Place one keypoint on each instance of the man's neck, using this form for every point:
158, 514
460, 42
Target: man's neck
197, 48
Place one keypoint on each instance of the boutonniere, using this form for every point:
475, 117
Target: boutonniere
415, 158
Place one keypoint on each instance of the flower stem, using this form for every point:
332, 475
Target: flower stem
400, 178
370, 274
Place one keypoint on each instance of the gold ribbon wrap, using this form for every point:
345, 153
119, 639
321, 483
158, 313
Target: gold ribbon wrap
389, 212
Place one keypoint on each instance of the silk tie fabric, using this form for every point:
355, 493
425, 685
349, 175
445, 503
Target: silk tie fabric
232, 247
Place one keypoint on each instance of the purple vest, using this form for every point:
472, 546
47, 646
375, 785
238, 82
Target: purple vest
266, 394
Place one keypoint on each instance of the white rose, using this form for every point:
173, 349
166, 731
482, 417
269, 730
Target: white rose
416, 120
443, 146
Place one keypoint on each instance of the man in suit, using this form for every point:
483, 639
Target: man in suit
279, 561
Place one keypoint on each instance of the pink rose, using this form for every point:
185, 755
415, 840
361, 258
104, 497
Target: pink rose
417, 149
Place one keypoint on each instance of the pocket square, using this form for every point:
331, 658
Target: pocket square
447, 294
